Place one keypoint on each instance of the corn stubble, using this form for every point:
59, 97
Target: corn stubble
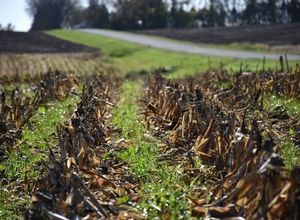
217, 117
82, 182
227, 129
195, 119
17, 106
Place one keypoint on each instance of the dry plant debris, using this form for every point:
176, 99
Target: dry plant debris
17, 107
82, 182
217, 118
252, 180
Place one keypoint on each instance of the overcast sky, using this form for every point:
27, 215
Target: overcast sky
13, 11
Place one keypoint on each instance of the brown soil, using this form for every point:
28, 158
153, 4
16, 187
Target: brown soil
36, 42
272, 35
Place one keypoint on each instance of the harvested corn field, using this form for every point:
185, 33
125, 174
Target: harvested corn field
33, 64
237, 142
35, 53
205, 147
78, 140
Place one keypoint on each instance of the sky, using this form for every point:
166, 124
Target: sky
14, 12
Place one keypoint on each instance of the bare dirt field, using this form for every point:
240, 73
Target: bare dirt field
36, 42
272, 35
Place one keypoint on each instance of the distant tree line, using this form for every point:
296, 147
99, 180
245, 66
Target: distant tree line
8, 27
52, 14
153, 14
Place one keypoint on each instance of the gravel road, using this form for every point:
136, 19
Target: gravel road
182, 46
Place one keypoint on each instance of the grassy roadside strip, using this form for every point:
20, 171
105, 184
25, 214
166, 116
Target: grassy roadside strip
254, 47
289, 152
130, 57
162, 187
25, 163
